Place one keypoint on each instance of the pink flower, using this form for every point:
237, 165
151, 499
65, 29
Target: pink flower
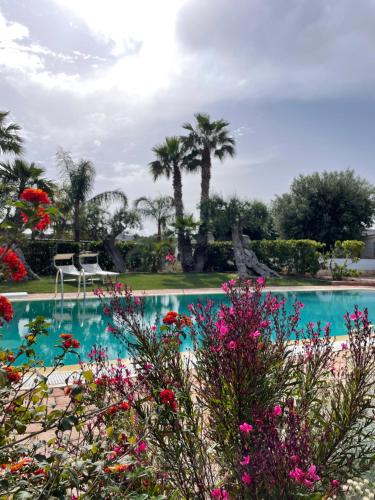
118, 286
153, 328
191, 307
356, 315
231, 282
254, 335
141, 448
311, 324
111, 329
297, 474
245, 460
335, 483
344, 346
232, 345
265, 323
224, 287
277, 411
246, 478
216, 348
261, 281
246, 428
311, 471
219, 493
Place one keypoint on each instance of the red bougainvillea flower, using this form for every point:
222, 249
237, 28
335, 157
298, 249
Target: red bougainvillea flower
70, 342
179, 320
277, 411
13, 264
66, 336
6, 309
13, 374
168, 398
44, 219
170, 318
34, 195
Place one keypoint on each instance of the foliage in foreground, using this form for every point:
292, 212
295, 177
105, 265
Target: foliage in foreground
263, 409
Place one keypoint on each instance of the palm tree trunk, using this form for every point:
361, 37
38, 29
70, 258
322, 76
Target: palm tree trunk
201, 249
183, 241
76, 222
158, 237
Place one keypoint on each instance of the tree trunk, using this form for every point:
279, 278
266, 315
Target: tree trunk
115, 254
247, 262
76, 222
183, 240
201, 249
158, 237
30, 273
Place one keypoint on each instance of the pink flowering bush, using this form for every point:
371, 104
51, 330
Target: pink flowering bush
263, 407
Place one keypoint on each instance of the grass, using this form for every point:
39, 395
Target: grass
147, 281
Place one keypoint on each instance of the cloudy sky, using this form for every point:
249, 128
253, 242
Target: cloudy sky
107, 80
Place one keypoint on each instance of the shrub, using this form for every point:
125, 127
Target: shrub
289, 256
97, 446
264, 409
350, 251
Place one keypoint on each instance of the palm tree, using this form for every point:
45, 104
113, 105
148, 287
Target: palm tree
158, 209
206, 140
18, 175
10, 141
79, 179
170, 160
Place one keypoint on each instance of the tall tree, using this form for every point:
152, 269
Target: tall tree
79, 179
159, 209
326, 207
10, 140
170, 160
257, 222
206, 139
101, 224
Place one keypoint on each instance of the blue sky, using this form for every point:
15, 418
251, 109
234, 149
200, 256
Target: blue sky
109, 80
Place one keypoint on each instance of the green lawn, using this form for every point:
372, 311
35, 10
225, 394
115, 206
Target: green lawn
146, 281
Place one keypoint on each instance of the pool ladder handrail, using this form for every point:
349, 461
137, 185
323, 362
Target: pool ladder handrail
60, 274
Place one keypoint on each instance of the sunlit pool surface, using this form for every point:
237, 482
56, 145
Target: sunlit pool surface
87, 322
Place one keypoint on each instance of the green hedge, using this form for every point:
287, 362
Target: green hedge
289, 256
39, 253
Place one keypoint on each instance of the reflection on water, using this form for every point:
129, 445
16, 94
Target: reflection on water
85, 319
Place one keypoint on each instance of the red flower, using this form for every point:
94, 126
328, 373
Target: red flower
15, 267
168, 398
13, 374
66, 336
69, 341
170, 318
180, 320
35, 196
6, 309
44, 221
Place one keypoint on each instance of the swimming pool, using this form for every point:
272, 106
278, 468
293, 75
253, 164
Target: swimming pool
85, 319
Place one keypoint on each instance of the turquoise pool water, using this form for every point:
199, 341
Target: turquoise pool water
88, 324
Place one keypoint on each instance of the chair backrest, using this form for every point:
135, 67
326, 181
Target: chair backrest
91, 268
88, 255
60, 262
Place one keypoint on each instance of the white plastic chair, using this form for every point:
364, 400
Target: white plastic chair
69, 270
94, 267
